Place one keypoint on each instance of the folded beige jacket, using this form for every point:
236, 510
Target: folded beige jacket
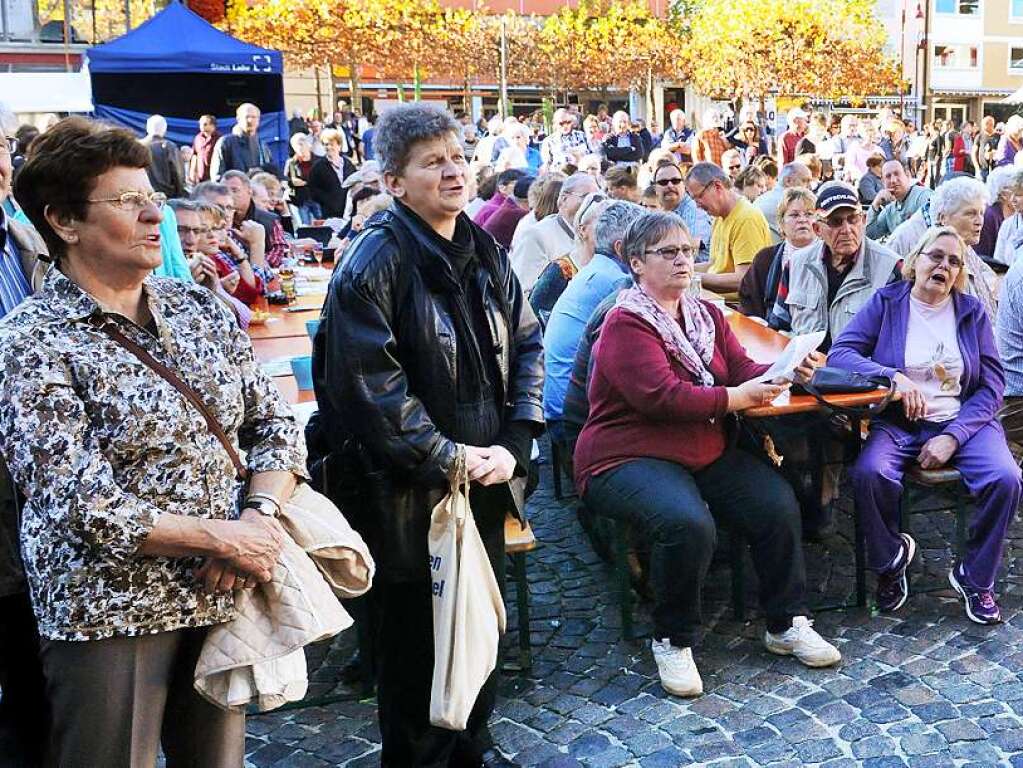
258, 656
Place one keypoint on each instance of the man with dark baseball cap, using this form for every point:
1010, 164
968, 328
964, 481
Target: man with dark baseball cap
827, 282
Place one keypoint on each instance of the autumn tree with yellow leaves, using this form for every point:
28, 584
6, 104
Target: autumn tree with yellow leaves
751, 48
602, 43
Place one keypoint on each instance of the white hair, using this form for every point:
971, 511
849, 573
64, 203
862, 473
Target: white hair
956, 194
674, 112
298, 140
999, 180
156, 125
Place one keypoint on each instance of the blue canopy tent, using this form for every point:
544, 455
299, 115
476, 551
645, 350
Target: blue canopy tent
179, 66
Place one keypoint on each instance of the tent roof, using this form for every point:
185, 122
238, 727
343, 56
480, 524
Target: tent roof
178, 40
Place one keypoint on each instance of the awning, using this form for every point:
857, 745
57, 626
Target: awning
46, 91
971, 91
1015, 98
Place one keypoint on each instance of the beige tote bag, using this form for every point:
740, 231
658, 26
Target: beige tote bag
468, 609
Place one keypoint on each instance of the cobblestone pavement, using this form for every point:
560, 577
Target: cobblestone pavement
924, 689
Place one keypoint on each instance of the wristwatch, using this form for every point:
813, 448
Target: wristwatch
263, 506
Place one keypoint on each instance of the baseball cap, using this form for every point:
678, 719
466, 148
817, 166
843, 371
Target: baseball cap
835, 196
795, 113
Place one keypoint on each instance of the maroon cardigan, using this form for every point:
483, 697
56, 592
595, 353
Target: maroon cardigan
644, 404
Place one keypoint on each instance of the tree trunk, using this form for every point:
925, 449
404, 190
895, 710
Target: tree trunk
417, 84
353, 85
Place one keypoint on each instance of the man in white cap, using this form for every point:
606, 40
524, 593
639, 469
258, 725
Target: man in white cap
710, 143
799, 122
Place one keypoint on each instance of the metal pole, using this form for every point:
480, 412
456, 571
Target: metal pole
504, 68
67, 35
5, 32
925, 95
127, 15
902, 63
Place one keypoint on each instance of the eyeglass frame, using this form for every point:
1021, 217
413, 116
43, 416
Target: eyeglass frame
681, 249
959, 263
157, 199
860, 215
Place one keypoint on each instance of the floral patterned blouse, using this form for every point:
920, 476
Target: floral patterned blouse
102, 446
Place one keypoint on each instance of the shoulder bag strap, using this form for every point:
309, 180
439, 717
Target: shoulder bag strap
856, 411
109, 327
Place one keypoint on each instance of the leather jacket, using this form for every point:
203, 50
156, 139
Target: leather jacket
384, 365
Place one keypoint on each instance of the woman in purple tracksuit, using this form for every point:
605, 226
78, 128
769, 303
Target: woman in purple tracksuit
937, 344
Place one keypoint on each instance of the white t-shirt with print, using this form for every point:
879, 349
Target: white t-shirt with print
933, 360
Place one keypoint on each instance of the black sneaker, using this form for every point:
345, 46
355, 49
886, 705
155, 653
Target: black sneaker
892, 586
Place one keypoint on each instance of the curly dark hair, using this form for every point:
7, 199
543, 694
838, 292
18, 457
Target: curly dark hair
61, 169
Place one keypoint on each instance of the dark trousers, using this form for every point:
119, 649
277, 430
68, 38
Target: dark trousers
405, 663
115, 701
988, 471
24, 717
670, 504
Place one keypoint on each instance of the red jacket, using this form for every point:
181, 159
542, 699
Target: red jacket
644, 404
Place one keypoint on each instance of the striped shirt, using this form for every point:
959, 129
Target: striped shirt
1009, 329
14, 287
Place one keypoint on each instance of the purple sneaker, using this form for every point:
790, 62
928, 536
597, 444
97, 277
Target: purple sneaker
892, 586
980, 604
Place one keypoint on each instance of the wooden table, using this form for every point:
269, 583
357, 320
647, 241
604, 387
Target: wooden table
284, 335
764, 345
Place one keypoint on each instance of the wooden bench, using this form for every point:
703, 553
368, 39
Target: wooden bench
517, 542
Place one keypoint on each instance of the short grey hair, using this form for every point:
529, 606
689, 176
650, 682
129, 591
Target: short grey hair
156, 125
240, 175
707, 173
614, 220
572, 183
405, 125
791, 171
1001, 179
209, 189
955, 194
646, 229
298, 140
180, 204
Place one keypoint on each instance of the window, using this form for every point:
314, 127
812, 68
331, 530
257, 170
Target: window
955, 56
1016, 9
964, 7
1016, 60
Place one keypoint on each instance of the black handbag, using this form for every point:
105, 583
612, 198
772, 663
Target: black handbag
837, 381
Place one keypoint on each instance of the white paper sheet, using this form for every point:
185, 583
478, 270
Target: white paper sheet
793, 354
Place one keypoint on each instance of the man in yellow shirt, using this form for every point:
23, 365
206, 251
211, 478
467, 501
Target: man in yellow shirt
739, 231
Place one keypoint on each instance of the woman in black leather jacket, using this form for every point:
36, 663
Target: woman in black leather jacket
426, 343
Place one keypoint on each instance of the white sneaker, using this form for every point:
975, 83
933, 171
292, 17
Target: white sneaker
803, 642
677, 669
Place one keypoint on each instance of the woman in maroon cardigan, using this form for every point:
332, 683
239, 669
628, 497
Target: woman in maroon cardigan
667, 370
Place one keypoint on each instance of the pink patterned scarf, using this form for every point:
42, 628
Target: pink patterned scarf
692, 347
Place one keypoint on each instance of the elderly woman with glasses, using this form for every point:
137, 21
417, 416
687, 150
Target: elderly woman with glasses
937, 344
759, 288
960, 203
667, 371
132, 532
555, 276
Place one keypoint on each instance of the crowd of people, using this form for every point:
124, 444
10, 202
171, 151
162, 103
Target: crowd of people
493, 282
